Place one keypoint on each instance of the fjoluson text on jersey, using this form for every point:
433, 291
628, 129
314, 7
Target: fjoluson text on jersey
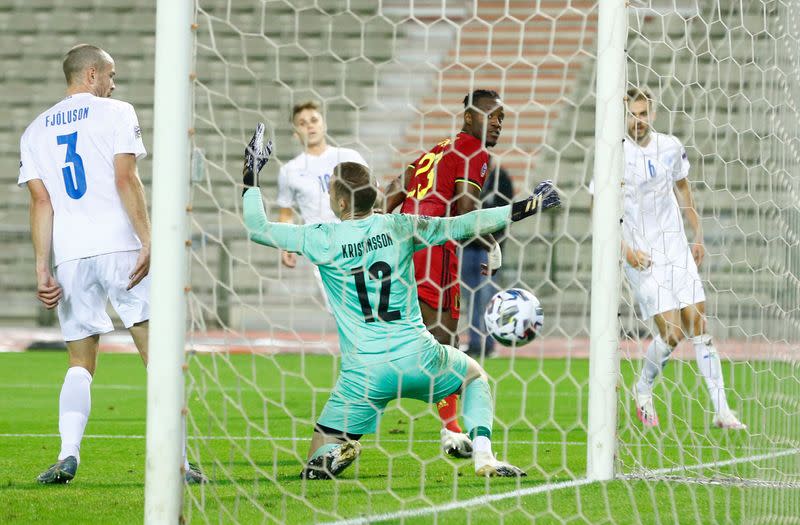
66, 117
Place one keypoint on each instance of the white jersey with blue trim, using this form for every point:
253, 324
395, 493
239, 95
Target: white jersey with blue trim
71, 148
304, 182
652, 221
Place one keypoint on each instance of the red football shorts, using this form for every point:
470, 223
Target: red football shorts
436, 271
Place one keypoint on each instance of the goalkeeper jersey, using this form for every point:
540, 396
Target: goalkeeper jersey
368, 272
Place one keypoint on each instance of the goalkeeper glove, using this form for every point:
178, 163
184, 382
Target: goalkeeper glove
256, 155
544, 197
495, 259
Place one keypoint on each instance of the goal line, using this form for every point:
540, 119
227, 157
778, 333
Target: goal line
655, 475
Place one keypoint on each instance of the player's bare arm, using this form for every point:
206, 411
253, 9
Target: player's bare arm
47, 289
131, 193
686, 201
433, 231
396, 192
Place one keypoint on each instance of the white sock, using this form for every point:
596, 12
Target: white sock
74, 405
654, 361
710, 367
481, 444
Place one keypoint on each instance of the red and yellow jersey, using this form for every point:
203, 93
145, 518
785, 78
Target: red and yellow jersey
432, 187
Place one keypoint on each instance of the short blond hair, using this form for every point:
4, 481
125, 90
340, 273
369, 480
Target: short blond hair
81, 57
637, 93
309, 104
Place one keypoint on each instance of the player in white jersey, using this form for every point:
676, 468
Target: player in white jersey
304, 181
661, 264
78, 160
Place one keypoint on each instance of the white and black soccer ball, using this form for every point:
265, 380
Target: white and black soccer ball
514, 317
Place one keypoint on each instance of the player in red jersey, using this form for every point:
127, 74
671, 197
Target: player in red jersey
445, 182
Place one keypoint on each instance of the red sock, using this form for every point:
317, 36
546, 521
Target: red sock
448, 412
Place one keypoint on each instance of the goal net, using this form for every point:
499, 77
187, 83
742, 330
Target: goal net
724, 77
390, 77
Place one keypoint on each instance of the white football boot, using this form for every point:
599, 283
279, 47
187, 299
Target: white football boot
487, 466
728, 421
332, 463
456, 444
645, 410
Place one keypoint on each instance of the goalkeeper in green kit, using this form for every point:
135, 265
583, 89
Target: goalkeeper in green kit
367, 269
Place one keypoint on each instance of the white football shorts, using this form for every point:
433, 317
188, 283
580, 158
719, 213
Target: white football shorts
88, 284
666, 286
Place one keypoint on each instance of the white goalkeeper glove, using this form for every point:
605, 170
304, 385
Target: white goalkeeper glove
495, 258
494, 261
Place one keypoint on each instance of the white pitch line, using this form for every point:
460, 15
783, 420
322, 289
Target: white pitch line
196, 390
364, 440
457, 505
479, 500
732, 482
725, 463
547, 487
279, 438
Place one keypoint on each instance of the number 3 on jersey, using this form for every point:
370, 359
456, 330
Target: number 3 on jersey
425, 174
74, 177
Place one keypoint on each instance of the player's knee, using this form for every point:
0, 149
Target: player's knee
89, 365
83, 361
474, 371
696, 324
673, 337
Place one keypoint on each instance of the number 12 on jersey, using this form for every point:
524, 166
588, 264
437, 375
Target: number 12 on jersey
74, 176
379, 271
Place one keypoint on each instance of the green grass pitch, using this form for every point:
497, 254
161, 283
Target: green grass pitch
250, 442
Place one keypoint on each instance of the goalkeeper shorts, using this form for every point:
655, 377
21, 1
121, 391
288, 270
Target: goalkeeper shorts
360, 396
666, 286
89, 284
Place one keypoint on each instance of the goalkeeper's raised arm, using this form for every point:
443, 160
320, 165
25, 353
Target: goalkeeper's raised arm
289, 237
431, 231
427, 231
278, 235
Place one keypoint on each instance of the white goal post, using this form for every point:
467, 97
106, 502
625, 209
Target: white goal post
243, 354
165, 383
601, 444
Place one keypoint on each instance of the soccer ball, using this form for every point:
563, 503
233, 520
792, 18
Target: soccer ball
514, 317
